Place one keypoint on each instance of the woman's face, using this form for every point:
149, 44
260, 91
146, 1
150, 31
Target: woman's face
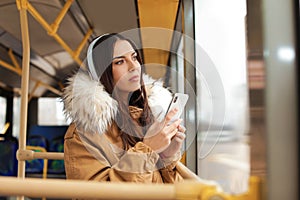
126, 68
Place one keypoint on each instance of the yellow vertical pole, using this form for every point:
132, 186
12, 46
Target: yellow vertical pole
22, 6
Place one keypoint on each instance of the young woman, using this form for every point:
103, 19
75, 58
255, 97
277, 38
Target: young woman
117, 133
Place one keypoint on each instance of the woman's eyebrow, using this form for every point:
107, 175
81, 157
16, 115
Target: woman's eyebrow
117, 57
122, 56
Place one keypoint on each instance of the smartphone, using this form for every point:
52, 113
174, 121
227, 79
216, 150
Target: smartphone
178, 101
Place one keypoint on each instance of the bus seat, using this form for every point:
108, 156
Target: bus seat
8, 164
56, 166
36, 165
54, 136
49, 132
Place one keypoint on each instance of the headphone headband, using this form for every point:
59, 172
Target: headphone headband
90, 61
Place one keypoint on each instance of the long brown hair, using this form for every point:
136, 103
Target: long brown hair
102, 54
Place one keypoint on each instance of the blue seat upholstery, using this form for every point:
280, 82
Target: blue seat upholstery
8, 164
54, 137
36, 165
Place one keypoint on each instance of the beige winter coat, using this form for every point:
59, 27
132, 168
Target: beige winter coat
93, 148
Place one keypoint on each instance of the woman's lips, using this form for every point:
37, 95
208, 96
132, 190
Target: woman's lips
134, 78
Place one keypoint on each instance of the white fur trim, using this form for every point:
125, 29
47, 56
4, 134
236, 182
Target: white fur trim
92, 109
88, 104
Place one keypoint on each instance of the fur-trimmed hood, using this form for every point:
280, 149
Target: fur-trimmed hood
92, 109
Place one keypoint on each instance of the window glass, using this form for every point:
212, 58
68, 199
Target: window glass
16, 116
50, 112
223, 151
2, 112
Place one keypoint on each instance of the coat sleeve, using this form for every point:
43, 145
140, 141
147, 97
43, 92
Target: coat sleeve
138, 164
80, 163
169, 172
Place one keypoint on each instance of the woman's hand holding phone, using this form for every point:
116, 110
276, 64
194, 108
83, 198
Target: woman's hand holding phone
176, 143
161, 134
166, 137
178, 101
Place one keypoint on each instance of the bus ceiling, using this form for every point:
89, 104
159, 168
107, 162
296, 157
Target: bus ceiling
60, 32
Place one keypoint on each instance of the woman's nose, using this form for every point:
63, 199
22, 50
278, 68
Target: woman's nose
132, 65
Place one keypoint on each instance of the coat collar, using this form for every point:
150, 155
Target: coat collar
92, 109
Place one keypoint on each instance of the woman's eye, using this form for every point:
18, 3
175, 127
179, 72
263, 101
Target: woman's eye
119, 62
134, 57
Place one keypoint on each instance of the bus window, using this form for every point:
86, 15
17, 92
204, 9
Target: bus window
223, 153
2, 112
16, 116
50, 112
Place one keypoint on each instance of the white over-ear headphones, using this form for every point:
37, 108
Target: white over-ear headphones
90, 61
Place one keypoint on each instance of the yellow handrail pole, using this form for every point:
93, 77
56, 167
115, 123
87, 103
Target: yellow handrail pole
30, 155
45, 167
187, 173
38, 17
49, 155
19, 72
65, 189
66, 47
60, 16
33, 90
22, 6
82, 43
10, 67
61, 86
13, 59
85, 189
47, 86
48, 28
5, 128
52, 89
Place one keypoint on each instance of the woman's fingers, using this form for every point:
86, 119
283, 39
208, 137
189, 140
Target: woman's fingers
160, 134
180, 135
170, 115
172, 133
173, 128
181, 128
